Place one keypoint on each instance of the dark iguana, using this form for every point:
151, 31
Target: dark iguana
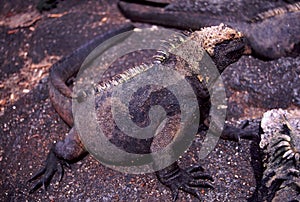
271, 27
224, 45
280, 142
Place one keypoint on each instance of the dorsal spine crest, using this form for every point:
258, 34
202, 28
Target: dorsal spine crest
277, 11
122, 78
207, 38
168, 46
160, 57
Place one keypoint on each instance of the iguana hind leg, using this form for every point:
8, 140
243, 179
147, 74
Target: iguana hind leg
61, 153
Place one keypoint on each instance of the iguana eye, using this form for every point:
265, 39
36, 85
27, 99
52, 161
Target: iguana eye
232, 35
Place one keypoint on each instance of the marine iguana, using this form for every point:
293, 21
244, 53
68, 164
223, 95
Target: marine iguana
265, 24
271, 27
280, 143
224, 45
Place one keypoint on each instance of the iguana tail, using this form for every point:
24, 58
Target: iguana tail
69, 65
60, 93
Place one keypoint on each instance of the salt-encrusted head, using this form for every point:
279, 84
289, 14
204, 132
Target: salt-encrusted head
224, 44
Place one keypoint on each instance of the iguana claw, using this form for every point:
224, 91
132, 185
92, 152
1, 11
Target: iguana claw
53, 165
244, 131
186, 180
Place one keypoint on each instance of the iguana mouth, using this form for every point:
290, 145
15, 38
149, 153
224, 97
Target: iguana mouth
228, 51
236, 47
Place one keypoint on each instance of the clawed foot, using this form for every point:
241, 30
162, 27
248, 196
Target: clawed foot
53, 165
246, 130
186, 180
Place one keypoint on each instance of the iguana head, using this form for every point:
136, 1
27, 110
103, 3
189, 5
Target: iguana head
224, 44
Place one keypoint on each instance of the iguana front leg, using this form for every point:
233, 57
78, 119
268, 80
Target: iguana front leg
187, 180
172, 141
61, 153
248, 130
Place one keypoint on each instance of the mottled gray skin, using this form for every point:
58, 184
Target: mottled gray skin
71, 148
281, 158
60, 94
269, 38
253, 85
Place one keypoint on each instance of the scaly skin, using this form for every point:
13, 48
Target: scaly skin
280, 142
60, 94
227, 50
271, 32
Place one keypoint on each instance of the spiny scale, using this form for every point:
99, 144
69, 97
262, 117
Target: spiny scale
161, 56
280, 147
168, 46
277, 11
284, 144
121, 78
285, 148
207, 38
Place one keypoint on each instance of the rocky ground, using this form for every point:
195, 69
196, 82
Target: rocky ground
30, 43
